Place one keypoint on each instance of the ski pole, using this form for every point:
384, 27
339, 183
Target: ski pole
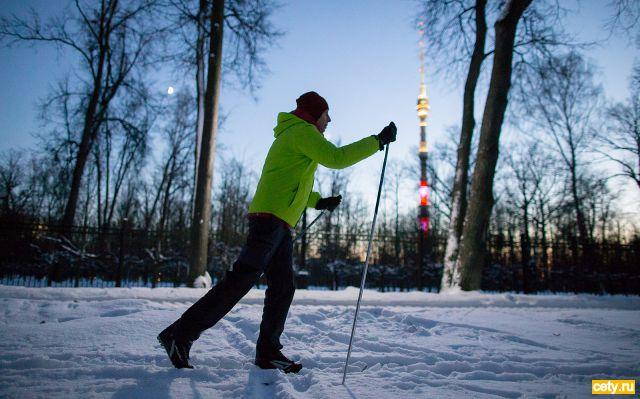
366, 265
309, 226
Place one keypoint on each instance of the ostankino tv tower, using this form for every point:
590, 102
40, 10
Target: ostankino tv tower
423, 110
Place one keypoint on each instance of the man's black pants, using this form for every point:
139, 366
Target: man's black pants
268, 250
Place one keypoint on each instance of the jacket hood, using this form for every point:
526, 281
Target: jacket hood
287, 120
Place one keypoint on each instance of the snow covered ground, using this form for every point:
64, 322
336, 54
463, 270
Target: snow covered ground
90, 342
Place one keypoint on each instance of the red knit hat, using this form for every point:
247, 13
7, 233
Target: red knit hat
310, 107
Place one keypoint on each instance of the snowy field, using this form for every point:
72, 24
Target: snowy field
90, 342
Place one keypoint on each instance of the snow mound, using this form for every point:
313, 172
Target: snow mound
203, 281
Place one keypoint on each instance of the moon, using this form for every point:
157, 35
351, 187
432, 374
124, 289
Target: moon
170, 90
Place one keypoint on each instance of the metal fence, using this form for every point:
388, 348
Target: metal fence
39, 255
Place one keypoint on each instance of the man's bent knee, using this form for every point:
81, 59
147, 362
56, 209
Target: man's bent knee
242, 277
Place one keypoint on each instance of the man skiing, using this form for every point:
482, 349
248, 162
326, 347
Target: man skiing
283, 192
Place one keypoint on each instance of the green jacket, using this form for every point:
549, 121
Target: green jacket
284, 189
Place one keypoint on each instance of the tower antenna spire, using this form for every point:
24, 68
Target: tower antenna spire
422, 108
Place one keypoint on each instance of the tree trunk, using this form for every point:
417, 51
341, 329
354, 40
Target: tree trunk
577, 205
99, 186
202, 203
88, 137
481, 199
525, 249
450, 275
89, 129
107, 177
200, 85
543, 244
512, 256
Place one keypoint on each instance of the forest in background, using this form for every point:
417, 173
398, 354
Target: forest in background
554, 222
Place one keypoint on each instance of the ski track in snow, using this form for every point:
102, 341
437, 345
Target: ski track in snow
55, 344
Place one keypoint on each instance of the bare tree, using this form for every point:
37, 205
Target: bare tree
442, 170
233, 196
546, 175
456, 31
125, 149
204, 171
172, 178
527, 164
599, 205
249, 31
334, 182
620, 141
354, 219
625, 18
393, 188
12, 193
37, 182
481, 198
111, 40
563, 98
446, 21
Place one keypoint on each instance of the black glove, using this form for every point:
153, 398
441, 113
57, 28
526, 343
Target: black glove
387, 135
329, 203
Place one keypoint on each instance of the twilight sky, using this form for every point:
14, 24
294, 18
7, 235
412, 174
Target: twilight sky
361, 55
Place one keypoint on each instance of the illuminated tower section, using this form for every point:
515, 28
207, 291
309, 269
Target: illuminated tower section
423, 111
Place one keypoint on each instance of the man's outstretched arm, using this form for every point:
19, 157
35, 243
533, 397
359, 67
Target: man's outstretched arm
316, 147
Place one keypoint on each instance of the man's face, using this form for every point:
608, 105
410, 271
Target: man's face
323, 121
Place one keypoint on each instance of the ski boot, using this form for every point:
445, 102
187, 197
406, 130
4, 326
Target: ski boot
178, 351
